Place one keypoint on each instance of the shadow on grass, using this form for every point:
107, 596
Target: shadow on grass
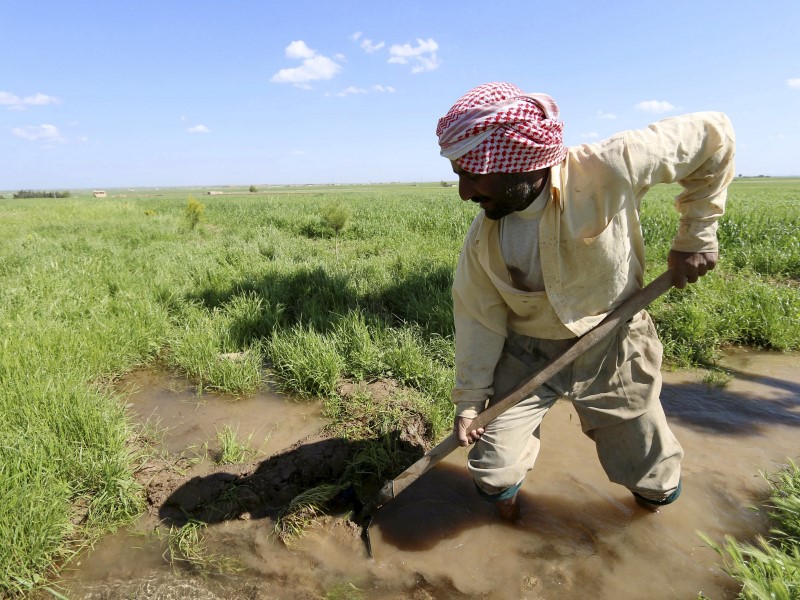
312, 296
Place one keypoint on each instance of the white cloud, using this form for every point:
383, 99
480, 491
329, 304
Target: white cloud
423, 57
604, 115
198, 129
370, 47
655, 106
297, 152
37, 133
592, 135
299, 49
14, 102
356, 35
793, 83
315, 66
351, 90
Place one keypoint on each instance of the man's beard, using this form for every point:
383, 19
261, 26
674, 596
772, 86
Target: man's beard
517, 194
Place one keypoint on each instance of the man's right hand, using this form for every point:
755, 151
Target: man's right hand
465, 435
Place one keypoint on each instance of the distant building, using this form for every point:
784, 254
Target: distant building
214, 193
100, 194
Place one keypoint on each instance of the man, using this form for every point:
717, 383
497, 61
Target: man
557, 246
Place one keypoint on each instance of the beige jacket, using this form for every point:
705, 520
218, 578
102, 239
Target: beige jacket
590, 239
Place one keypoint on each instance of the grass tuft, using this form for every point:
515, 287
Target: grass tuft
232, 451
303, 511
186, 546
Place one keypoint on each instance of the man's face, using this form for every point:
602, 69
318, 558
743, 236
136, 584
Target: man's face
500, 194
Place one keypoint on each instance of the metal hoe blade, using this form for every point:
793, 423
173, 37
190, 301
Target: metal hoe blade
364, 516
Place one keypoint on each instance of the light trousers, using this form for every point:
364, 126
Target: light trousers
614, 388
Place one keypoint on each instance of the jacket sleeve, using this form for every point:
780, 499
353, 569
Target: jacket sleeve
480, 317
696, 151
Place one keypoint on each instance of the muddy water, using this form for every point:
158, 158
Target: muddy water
189, 423
579, 536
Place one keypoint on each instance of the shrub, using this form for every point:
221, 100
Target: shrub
195, 212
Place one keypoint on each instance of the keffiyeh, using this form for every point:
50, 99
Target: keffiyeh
498, 128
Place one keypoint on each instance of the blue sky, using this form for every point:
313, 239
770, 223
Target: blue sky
170, 93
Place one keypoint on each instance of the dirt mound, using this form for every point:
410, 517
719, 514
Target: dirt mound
386, 397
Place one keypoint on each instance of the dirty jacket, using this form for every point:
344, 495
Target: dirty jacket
590, 239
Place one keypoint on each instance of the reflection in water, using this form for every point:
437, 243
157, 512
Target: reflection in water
765, 392
579, 536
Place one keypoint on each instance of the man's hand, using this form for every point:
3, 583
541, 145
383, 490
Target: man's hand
690, 266
465, 435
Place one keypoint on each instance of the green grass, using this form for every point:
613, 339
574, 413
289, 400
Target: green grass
753, 297
253, 286
770, 570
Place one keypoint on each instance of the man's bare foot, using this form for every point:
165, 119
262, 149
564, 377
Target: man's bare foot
508, 509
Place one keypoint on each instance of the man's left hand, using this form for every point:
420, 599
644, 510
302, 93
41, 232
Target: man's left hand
688, 267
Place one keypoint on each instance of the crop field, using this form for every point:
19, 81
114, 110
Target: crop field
307, 286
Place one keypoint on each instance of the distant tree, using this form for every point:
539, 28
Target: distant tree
336, 216
41, 194
253, 189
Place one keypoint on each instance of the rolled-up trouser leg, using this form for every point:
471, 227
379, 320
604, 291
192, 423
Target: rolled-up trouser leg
617, 400
510, 444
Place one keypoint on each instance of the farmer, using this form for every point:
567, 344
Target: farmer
557, 245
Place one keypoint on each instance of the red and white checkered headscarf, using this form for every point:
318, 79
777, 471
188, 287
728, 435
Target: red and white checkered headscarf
498, 128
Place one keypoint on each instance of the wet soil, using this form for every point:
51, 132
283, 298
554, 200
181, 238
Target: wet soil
579, 535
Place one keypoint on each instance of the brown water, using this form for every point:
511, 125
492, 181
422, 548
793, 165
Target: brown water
190, 422
579, 536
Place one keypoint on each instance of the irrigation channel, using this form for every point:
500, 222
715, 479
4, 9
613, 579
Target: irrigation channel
579, 535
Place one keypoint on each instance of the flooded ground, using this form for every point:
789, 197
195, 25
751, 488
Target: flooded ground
579, 536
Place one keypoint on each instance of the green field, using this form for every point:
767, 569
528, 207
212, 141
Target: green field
92, 287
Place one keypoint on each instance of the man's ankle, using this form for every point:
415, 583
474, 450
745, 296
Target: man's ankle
508, 509
654, 505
